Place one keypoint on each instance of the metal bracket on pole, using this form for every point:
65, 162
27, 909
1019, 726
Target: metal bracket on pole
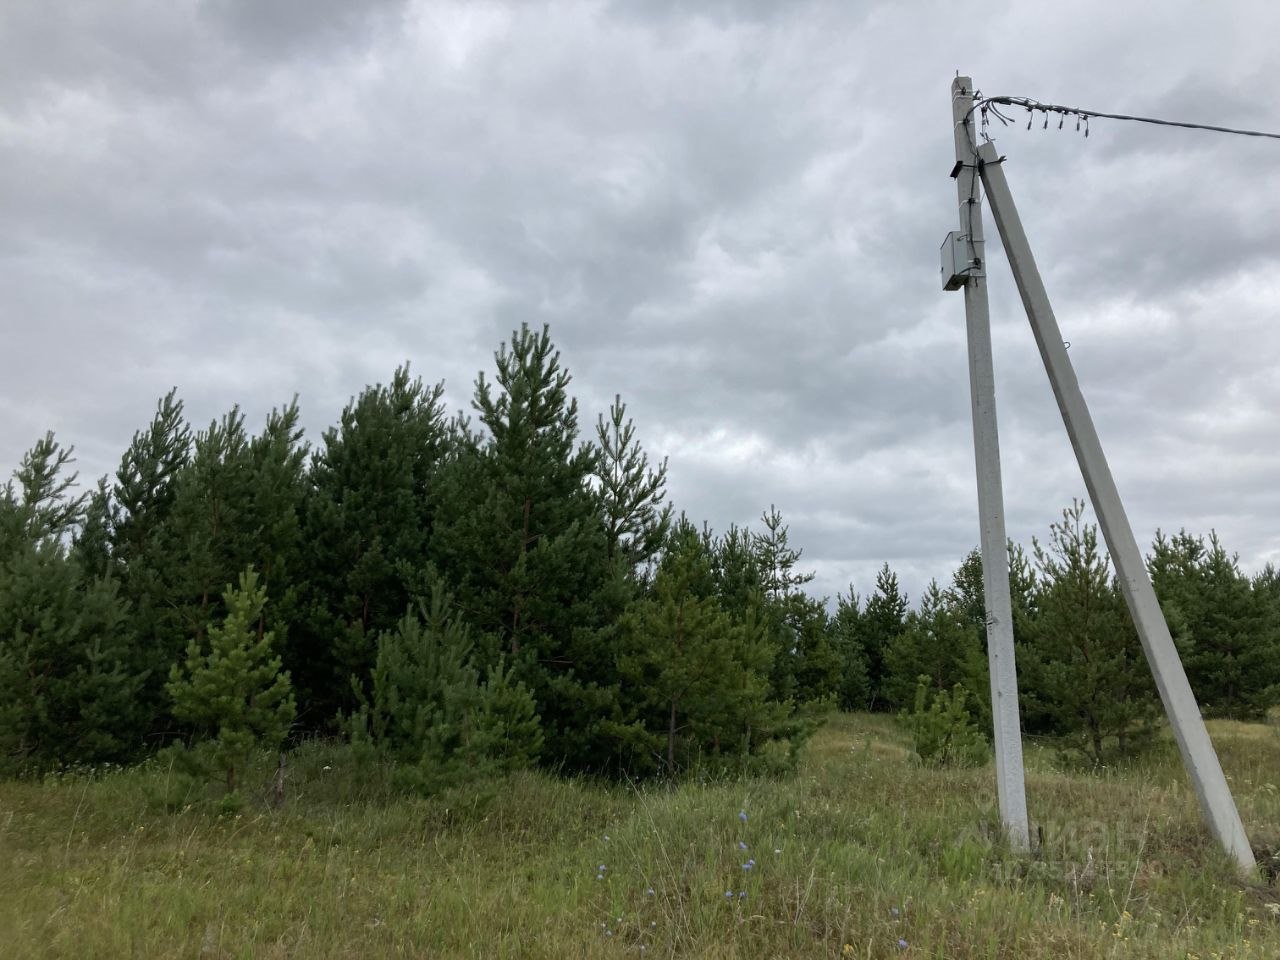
1198, 755
965, 252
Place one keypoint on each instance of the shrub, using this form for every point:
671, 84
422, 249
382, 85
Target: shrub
942, 731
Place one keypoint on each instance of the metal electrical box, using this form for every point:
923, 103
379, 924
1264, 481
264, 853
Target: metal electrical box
958, 260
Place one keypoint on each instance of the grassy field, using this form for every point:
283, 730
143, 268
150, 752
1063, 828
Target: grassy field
861, 854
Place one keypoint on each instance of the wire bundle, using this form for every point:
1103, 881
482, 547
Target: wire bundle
991, 106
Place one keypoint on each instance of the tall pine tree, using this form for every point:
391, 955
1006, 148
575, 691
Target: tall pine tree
66, 689
855, 687
1086, 668
521, 538
636, 519
368, 522
697, 679
882, 620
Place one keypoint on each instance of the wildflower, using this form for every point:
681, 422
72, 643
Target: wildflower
776, 850
599, 876
742, 815
728, 894
649, 892
741, 845
902, 944
894, 912
606, 838
748, 865
847, 949
742, 894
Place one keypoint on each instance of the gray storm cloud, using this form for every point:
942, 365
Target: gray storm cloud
728, 213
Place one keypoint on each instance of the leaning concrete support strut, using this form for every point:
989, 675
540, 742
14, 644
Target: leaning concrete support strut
1198, 755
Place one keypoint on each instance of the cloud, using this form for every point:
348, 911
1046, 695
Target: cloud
728, 213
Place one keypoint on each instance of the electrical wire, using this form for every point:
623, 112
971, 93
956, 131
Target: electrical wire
993, 104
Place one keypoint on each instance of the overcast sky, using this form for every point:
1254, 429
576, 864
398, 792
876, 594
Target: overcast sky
729, 213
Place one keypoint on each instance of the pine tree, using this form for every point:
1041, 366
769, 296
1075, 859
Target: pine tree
735, 576
67, 695
1175, 566
505, 730
236, 505
636, 520
968, 593
208, 537
1235, 655
428, 711
41, 508
806, 664
521, 539
943, 731
368, 523
126, 537
855, 688
882, 619
939, 642
697, 680
1088, 673
231, 688
817, 665
144, 492
1266, 591
1230, 642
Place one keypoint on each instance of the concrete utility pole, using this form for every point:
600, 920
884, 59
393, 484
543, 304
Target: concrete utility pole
1197, 750
965, 253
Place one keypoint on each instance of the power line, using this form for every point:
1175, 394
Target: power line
992, 105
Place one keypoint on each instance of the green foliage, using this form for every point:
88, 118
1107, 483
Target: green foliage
521, 540
41, 507
939, 641
427, 711
1224, 623
943, 732
881, 621
694, 677
505, 729
235, 506
66, 695
1087, 673
126, 535
636, 520
854, 691
231, 688
629, 641
368, 522
806, 663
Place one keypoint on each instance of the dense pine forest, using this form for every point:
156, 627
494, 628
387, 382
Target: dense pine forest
460, 595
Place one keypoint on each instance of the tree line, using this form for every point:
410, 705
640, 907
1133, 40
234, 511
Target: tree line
1082, 675
454, 596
